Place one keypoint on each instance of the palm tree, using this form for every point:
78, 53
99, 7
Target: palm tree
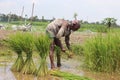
75, 16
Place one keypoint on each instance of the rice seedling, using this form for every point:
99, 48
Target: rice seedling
102, 52
77, 49
42, 44
67, 76
27, 44
14, 42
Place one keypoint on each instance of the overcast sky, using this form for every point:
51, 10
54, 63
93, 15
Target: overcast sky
87, 10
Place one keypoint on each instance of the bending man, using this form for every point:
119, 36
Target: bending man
57, 29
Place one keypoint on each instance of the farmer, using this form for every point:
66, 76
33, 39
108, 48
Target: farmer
57, 29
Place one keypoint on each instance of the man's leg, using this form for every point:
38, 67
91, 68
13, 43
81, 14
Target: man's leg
51, 55
58, 60
58, 43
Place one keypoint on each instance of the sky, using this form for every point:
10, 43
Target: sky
87, 10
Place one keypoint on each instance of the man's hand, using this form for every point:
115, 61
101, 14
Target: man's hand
70, 54
63, 50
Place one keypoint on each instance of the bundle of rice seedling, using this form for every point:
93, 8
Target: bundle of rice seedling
42, 44
67, 76
27, 45
14, 42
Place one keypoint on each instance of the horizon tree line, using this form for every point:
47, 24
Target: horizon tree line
13, 17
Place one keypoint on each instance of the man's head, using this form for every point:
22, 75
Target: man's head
75, 25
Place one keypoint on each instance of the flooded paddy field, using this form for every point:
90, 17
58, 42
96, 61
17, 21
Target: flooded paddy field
68, 65
74, 65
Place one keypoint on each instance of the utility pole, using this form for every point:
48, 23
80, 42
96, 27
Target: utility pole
9, 16
21, 18
22, 12
32, 12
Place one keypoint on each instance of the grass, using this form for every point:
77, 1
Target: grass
102, 52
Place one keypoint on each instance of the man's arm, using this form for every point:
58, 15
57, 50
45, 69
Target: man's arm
60, 33
62, 29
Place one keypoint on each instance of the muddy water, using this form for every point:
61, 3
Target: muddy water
68, 65
7, 74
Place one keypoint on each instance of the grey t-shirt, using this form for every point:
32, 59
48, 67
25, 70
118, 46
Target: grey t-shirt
58, 28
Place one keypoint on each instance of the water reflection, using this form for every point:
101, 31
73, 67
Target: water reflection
20, 76
7, 74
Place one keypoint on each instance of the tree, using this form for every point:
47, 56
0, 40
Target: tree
75, 16
109, 21
43, 18
3, 17
34, 18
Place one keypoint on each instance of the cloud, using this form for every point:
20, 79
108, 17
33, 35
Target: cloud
7, 4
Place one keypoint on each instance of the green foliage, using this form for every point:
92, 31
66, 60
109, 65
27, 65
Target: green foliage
68, 76
14, 42
111, 20
42, 44
18, 65
75, 16
57, 50
27, 44
102, 52
77, 49
93, 27
102, 29
29, 66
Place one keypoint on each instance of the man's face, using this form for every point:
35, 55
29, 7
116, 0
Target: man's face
75, 27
